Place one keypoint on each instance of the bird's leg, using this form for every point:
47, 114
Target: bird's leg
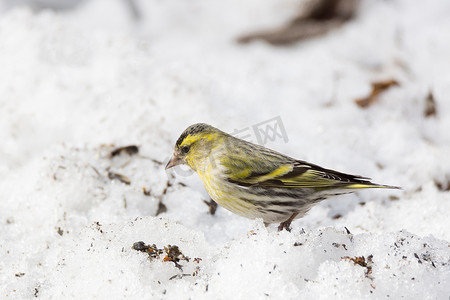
287, 224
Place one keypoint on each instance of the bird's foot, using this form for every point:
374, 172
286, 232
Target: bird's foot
287, 224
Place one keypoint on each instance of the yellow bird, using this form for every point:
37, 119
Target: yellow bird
256, 182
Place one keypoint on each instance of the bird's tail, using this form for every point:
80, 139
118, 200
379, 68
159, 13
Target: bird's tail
370, 185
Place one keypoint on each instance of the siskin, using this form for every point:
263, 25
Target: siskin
256, 182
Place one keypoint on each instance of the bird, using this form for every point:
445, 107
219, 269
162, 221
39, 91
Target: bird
256, 182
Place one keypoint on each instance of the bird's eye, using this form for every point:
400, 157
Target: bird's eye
185, 149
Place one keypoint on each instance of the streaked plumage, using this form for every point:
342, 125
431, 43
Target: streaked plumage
256, 182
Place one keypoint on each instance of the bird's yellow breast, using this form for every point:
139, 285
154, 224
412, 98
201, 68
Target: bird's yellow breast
210, 182
229, 199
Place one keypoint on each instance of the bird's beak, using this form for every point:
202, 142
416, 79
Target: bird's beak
174, 161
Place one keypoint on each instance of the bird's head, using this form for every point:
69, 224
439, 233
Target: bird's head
194, 145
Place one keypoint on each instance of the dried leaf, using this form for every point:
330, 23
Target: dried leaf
442, 186
361, 260
151, 250
173, 253
337, 245
318, 18
130, 150
358, 260
377, 88
162, 208
60, 231
430, 106
120, 177
146, 192
212, 206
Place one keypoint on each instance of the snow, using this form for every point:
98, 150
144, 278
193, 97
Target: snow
77, 84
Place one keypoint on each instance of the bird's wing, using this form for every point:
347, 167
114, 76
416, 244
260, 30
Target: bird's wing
297, 174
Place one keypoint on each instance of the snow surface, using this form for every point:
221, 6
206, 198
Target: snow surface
77, 84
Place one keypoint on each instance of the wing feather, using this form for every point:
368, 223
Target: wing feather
265, 168
300, 174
